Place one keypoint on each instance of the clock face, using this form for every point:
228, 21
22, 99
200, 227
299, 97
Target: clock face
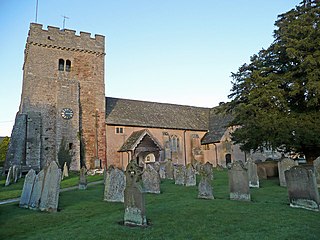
67, 113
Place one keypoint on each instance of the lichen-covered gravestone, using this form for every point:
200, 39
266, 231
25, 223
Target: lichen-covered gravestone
238, 182
37, 190
27, 189
169, 169
51, 188
180, 175
190, 179
316, 166
302, 188
208, 168
134, 200
65, 172
114, 185
252, 173
284, 165
83, 178
151, 180
205, 187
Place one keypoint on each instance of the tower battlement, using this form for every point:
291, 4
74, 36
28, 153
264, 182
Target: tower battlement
55, 37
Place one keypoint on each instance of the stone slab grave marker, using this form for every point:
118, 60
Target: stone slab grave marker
65, 172
151, 180
162, 170
83, 178
15, 173
9, 176
114, 185
252, 173
302, 188
238, 182
205, 187
134, 199
180, 175
169, 169
284, 165
316, 166
51, 188
190, 179
27, 189
37, 190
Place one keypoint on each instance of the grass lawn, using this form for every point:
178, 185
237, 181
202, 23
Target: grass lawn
176, 213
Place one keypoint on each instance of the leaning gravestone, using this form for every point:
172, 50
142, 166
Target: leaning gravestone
9, 176
204, 187
37, 190
180, 175
302, 188
27, 189
83, 178
252, 173
156, 166
15, 173
284, 165
190, 179
151, 180
134, 200
169, 169
114, 185
316, 166
51, 188
238, 182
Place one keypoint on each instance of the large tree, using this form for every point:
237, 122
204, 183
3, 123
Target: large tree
276, 97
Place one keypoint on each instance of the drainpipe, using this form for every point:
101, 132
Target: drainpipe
184, 147
216, 150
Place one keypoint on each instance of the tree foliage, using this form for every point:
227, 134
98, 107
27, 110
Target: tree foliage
276, 97
3, 149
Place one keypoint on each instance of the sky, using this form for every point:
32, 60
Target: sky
170, 51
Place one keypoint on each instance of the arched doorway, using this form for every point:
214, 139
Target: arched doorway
228, 158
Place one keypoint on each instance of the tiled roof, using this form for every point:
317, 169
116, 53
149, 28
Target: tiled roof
127, 112
217, 126
135, 138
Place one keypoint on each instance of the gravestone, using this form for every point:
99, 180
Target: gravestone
27, 189
65, 172
316, 166
205, 187
151, 180
238, 182
190, 179
169, 169
83, 178
208, 168
15, 173
302, 188
180, 175
9, 176
284, 165
134, 199
51, 188
162, 170
262, 172
252, 173
37, 190
114, 185
156, 166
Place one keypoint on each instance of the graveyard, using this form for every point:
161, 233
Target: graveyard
175, 213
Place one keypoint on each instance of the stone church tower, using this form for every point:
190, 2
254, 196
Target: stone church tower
62, 107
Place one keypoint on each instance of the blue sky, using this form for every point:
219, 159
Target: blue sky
173, 51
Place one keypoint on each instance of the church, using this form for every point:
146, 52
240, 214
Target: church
64, 112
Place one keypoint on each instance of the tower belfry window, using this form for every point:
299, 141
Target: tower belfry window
68, 65
61, 65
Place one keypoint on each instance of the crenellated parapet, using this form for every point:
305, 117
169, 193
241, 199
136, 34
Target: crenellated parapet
65, 39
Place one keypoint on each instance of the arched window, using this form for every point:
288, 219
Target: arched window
68, 65
61, 65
